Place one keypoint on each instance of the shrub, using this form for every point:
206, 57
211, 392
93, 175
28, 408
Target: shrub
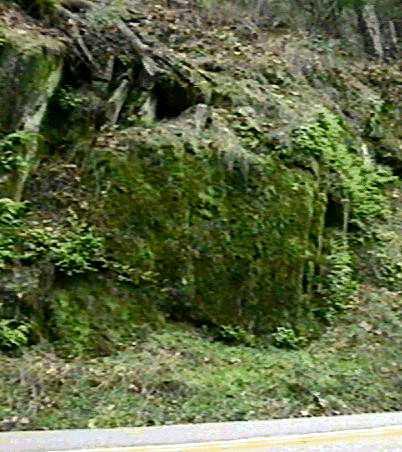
287, 338
73, 250
235, 335
12, 335
10, 146
73, 247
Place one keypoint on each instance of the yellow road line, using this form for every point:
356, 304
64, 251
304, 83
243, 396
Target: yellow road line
265, 443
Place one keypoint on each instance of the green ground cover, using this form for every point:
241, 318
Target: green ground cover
180, 374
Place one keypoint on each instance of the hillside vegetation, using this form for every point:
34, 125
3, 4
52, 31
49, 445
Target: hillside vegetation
181, 374
198, 186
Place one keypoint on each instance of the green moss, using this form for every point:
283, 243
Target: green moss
26, 63
96, 316
70, 120
384, 132
356, 181
219, 208
223, 232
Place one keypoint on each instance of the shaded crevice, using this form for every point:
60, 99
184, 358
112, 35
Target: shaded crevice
173, 98
334, 215
389, 157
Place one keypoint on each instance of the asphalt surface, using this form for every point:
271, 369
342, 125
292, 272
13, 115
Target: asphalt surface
367, 432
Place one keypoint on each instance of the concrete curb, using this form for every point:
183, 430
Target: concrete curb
44, 441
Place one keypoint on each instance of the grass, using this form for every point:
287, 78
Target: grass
180, 375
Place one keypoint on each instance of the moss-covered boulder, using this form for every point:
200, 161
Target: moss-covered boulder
223, 233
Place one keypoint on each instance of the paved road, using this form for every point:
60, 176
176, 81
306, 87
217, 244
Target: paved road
377, 439
370, 432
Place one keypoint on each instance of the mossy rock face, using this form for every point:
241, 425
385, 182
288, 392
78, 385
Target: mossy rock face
384, 132
96, 315
223, 235
212, 195
27, 61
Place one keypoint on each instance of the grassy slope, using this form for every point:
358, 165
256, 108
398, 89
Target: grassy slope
178, 375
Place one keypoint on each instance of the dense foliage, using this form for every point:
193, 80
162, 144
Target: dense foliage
198, 194
235, 194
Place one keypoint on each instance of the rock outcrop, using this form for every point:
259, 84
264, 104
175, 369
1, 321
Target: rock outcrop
209, 177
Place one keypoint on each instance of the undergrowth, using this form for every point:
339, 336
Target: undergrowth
179, 374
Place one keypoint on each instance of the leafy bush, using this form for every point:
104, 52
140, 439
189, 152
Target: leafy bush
69, 99
235, 335
381, 257
11, 145
72, 247
385, 260
12, 334
358, 186
11, 213
287, 338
